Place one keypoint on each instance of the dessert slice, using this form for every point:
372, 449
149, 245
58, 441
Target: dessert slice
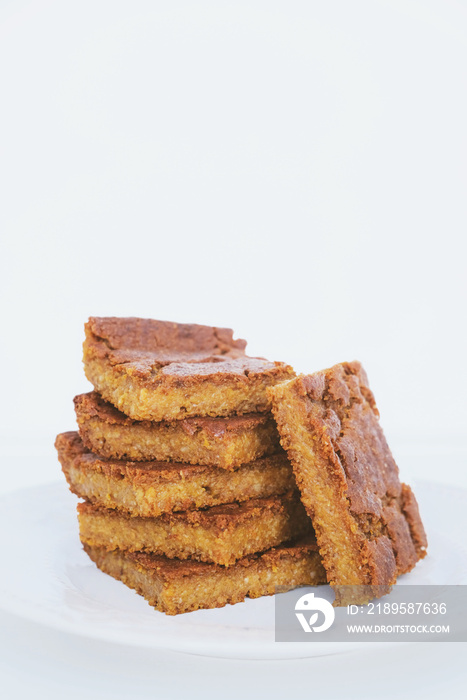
221, 534
151, 488
155, 370
222, 442
174, 586
367, 523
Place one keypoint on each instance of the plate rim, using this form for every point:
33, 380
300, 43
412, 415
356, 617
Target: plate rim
13, 603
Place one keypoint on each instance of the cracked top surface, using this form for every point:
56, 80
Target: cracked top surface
342, 408
338, 411
127, 339
92, 405
147, 348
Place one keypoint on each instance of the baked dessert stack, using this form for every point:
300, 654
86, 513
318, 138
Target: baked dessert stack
189, 498
196, 495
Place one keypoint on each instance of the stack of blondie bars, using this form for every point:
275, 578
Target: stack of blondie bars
208, 476
188, 496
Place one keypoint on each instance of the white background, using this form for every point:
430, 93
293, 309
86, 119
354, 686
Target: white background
295, 170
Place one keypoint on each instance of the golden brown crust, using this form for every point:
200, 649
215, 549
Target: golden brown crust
147, 344
367, 522
155, 370
224, 442
173, 586
150, 488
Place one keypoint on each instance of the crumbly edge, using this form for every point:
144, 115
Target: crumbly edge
70, 447
151, 501
92, 405
170, 399
170, 442
338, 553
214, 586
206, 540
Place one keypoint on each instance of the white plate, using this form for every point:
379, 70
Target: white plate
48, 578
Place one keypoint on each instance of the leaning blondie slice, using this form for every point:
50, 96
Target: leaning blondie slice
174, 586
148, 489
367, 523
155, 370
221, 534
217, 442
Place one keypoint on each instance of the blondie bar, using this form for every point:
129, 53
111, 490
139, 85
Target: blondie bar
174, 586
222, 442
151, 488
221, 534
367, 523
156, 370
